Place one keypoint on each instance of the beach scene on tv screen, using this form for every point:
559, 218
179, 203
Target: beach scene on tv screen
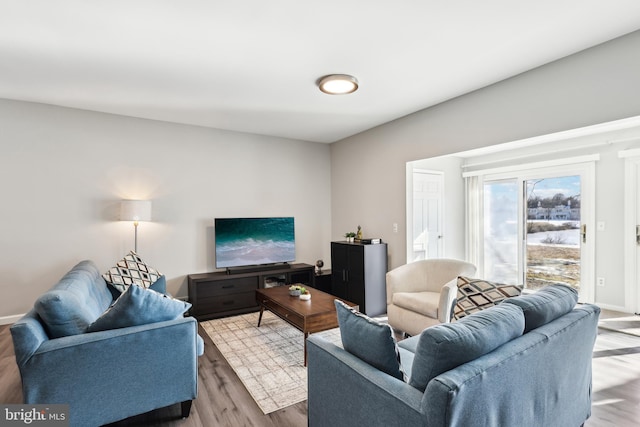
254, 241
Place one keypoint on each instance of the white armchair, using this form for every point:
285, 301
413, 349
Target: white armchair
420, 294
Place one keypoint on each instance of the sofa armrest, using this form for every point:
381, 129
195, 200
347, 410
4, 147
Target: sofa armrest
28, 334
140, 368
448, 296
112, 335
345, 391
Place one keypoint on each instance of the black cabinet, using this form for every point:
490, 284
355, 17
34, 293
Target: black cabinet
220, 294
358, 275
322, 281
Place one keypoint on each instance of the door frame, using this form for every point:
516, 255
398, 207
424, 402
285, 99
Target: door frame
583, 166
631, 248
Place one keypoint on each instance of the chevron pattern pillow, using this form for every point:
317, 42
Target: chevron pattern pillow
131, 270
476, 294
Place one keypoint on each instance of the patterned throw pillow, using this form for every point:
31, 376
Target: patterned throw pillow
477, 294
131, 270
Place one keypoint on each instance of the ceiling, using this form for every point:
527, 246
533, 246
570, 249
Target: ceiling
252, 65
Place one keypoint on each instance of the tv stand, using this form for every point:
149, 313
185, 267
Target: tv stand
254, 268
222, 293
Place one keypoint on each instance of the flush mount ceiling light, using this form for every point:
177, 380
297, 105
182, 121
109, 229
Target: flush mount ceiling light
338, 84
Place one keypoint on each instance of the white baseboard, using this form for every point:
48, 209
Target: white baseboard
613, 308
7, 320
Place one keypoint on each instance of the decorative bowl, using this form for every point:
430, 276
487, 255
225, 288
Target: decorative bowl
295, 293
305, 297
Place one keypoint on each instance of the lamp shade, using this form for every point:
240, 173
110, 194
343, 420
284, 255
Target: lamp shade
135, 210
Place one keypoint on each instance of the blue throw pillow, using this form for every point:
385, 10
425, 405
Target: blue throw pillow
139, 306
443, 347
546, 305
159, 285
368, 340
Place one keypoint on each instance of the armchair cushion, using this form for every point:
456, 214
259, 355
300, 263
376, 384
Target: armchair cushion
546, 305
425, 303
139, 306
370, 341
443, 347
477, 294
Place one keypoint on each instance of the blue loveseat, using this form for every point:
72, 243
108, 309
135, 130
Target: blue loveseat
107, 375
525, 362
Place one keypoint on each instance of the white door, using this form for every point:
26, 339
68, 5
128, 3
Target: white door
632, 229
427, 214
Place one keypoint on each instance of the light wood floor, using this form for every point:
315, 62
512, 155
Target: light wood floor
223, 400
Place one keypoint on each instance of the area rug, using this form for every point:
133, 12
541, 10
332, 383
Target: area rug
625, 323
269, 360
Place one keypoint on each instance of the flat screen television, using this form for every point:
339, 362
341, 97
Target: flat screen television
241, 242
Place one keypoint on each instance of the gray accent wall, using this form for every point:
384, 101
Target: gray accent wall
595, 86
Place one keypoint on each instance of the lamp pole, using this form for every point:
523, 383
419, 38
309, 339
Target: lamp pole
135, 236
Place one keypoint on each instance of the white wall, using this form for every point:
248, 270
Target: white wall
368, 170
64, 171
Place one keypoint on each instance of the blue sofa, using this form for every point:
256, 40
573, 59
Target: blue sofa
535, 370
107, 375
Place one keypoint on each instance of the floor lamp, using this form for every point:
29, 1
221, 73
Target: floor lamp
136, 211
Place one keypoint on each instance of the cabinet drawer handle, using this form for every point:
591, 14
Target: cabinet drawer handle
227, 303
228, 286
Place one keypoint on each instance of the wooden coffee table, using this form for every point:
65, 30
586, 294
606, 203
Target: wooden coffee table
315, 315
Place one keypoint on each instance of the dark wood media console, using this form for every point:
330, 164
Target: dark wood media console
219, 294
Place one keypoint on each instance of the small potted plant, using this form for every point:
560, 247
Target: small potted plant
295, 290
350, 236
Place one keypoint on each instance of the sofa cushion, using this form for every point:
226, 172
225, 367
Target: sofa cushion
131, 270
370, 341
139, 306
546, 305
72, 304
425, 303
443, 347
477, 294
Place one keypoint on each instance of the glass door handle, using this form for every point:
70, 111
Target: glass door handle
637, 234
583, 232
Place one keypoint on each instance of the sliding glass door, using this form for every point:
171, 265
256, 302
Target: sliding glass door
535, 230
